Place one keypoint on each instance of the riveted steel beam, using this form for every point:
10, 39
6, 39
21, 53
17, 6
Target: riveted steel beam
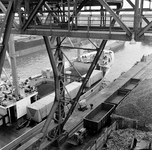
58, 70
60, 67
115, 16
136, 17
115, 35
146, 28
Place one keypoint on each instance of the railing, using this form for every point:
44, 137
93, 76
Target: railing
83, 22
87, 22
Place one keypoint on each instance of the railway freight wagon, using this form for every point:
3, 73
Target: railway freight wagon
98, 117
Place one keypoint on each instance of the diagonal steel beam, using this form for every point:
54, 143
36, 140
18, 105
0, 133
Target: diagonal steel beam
115, 16
131, 3
32, 15
9, 21
78, 9
133, 6
5, 20
4, 10
146, 28
48, 8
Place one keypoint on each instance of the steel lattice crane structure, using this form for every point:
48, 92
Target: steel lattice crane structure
57, 19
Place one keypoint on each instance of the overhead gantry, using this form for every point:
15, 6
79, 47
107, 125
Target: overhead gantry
57, 19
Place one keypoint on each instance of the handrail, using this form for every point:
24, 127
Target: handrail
89, 21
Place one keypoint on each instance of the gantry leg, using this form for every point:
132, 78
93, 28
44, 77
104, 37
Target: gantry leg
58, 71
60, 66
11, 51
9, 21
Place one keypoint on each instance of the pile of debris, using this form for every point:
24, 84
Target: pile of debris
122, 139
138, 104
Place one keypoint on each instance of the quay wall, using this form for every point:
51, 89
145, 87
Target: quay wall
31, 50
23, 48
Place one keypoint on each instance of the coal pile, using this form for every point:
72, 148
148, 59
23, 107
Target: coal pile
81, 71
45, 88
138, 104
121, 139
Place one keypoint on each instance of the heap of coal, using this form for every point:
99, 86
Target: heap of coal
138, 104
122, 139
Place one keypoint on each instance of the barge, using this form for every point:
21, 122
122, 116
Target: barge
25, 44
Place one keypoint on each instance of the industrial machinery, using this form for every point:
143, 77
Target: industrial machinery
82, 105
78, 137
57, 19
140, 145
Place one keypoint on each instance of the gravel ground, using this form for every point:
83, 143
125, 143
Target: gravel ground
138, 104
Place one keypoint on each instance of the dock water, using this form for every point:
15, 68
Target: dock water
141, 70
